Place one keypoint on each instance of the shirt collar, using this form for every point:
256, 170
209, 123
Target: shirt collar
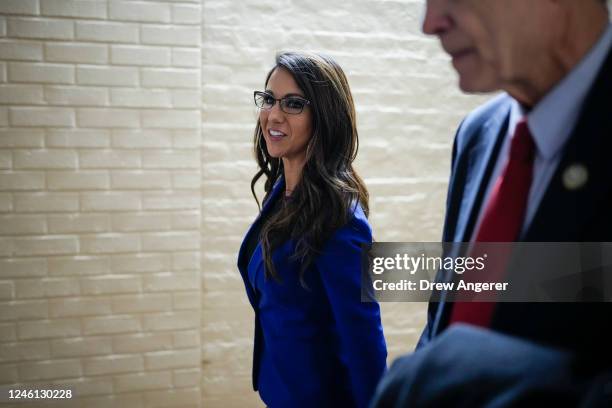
552, 120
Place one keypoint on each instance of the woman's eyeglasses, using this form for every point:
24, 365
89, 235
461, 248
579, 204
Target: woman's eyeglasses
289, 104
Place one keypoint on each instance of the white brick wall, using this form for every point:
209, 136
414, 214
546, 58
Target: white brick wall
99, 199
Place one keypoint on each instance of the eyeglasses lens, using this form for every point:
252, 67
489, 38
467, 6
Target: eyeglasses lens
289, 105
292, 105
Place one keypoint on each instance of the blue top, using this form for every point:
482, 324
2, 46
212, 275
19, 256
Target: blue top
319, 346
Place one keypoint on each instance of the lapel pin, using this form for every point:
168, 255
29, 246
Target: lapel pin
575, 176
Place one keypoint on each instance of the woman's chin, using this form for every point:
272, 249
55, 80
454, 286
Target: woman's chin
275, 155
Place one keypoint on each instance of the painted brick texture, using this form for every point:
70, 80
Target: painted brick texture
100, 218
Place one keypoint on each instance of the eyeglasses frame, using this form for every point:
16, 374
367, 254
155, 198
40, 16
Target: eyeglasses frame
279, 100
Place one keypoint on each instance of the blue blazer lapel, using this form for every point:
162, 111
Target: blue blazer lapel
256, 257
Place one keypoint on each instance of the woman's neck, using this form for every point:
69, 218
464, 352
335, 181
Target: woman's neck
293, 173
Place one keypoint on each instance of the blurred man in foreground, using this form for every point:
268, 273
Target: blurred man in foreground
531, 165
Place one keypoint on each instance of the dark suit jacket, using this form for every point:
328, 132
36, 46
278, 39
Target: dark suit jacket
581, 215
318, 346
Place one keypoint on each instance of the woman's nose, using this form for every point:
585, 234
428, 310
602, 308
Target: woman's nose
276, 114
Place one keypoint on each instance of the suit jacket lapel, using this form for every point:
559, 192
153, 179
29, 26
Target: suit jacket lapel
481, 157
482, 160
256, 258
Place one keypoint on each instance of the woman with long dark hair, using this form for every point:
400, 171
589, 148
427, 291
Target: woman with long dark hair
316, 343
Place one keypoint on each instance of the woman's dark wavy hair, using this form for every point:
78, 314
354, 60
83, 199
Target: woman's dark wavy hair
324, 198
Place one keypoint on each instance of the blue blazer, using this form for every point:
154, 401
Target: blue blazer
321, 346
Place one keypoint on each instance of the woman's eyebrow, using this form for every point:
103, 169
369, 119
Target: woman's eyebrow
289, 94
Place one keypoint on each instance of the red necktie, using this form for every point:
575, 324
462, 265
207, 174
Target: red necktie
503, 217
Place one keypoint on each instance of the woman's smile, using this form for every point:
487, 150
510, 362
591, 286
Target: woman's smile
276, 135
